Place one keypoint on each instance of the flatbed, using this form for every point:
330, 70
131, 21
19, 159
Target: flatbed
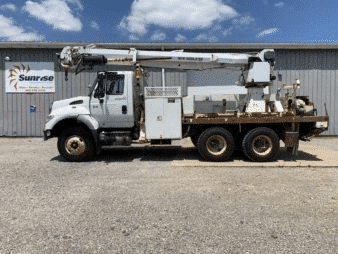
252, 118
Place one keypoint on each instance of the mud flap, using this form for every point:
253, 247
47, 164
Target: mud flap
292, 143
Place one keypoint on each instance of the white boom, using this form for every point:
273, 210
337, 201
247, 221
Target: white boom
256, 68
73, 57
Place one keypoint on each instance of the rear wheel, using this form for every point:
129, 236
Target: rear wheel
260, 144
76, 144
216, 144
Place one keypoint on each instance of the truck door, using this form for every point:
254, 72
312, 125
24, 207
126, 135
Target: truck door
112, 101
97, 105
119, 100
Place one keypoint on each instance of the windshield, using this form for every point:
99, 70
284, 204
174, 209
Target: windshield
91, 87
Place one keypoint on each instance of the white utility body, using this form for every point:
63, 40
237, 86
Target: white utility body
163, 118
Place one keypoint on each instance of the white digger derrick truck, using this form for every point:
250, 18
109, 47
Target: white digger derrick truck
120, 111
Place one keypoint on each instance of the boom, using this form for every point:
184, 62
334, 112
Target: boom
72, 58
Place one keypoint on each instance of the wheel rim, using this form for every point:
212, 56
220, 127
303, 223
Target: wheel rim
262, 145
216, 145
75, 145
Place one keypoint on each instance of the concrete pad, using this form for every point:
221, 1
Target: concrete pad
308, 156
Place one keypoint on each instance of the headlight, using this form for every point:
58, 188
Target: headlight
50, 117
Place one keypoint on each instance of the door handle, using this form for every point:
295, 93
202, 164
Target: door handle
101, 101
124, 109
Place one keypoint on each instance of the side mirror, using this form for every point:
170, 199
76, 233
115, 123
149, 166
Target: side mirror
100, 90
99, 94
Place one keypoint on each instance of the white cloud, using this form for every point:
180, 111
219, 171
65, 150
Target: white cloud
227, 32
55, 13
10, 32
243, 22
188, 14
10, 7
77, 3
133, 37
158, 36
205, 38
201, 37
93, 24
268, 31
280, 4
180, 38
217, 27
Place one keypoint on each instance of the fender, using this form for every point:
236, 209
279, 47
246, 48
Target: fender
89, 121
93, 125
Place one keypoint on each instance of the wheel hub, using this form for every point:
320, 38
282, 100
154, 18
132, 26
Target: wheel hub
216, 144
262, 145
75, 145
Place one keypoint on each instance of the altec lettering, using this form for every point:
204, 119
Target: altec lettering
23, 77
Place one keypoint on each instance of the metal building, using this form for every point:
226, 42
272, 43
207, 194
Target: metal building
24, 113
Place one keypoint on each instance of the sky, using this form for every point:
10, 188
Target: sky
169, 20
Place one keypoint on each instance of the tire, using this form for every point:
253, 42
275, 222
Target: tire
216, 144
76, 144
289, 149
260, 144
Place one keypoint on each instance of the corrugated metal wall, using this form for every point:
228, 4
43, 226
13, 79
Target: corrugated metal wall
15, 116
153, 78
317, 71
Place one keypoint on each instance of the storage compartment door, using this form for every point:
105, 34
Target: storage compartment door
154, 118
173, 118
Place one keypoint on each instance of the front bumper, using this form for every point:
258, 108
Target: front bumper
47, 135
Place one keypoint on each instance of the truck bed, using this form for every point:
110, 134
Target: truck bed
253, 118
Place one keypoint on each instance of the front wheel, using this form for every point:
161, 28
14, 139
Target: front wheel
260, 144
76, 144
216, 144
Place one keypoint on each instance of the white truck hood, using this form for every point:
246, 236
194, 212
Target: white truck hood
77, 105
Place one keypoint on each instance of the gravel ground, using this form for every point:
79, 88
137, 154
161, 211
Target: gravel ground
136, 201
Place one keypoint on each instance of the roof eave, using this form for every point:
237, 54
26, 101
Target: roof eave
171, 46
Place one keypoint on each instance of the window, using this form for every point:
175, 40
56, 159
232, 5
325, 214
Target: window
110, 84
115, 85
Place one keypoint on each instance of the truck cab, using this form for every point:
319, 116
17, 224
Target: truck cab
106, 116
